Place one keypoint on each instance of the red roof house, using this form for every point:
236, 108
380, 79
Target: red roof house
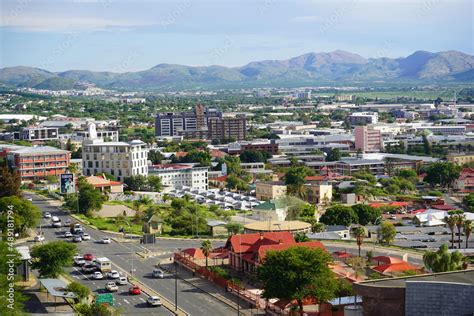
396, 268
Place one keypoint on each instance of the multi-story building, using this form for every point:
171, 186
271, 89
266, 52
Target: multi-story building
460, 159
256, 145
180, 175
120, 159
181, 123
367, 139
319, 193
36, 163
345, 98
227, 128
440, 129
363, 118
112, 136
37, 133
270, 190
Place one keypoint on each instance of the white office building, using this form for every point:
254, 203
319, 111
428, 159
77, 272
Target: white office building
177, 176
120, 159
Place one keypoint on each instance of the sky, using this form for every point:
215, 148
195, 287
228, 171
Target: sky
132, 35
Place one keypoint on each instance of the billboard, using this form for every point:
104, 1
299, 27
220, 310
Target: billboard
67, 183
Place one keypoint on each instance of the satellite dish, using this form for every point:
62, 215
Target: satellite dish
92, 131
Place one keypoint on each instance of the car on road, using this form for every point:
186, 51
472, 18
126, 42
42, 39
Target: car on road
158, 273
79, 261
98, 275
121, 281
111, 287
39, 238
89, 267
30, 199
134, 290
67, 223
153, 301
106, 240
88, 257
86, 236
47, 215
67, 234
77, 238
113, 274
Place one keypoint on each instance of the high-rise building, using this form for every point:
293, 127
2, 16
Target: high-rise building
362, 118
227, 128
367, 139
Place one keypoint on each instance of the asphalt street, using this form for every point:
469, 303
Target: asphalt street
124, 259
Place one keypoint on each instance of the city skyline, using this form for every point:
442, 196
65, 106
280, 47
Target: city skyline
123, 36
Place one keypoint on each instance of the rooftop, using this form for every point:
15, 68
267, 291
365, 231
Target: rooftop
276, 226
39, 150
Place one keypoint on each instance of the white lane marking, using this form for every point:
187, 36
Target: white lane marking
142, 299
125, 300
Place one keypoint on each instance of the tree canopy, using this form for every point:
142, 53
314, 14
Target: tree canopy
442, 173
255, 156
10, 182
25, 214
51, 257
339, 215
296, 273
442, 260
386, 232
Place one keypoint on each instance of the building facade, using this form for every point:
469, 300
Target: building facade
367, 139
36, 133
120, 159
270, 190
226, 128
363, 118
37, 163
180, 175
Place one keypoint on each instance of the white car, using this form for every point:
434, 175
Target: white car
158, 273
98, 275
79, 261
67, 223
47, 215
111, 287
121, 281
153, 301
113, 274
67, 235
106, 240
30, 199
86, 236
39, 238
77, 238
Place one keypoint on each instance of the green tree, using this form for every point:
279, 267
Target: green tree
296, 273
295, 180
468, 202
25, 215
154, 183
10, 182
155, 157
386, 232
80, 290
51, 257
339, 215
90, 199
442, 260
234, 182
334, 155
301, 237
366, 214
206, 248
442, 173
367, 176
359, 234
234, 228
254, 156
468, 226
451, 223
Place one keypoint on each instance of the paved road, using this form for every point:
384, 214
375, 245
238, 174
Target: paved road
124, 259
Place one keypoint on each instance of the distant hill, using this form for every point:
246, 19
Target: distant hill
338, 67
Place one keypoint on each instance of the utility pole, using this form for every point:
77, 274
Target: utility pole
175, 286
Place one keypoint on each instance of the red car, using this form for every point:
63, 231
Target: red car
134, 290
88, 257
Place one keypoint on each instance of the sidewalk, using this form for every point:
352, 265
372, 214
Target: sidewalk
211, 289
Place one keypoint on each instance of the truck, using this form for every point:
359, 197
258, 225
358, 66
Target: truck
75, 228
103, 264
56, 222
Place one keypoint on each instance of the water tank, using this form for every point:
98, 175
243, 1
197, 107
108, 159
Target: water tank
353, 310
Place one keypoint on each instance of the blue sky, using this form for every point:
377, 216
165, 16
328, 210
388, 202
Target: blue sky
126, 35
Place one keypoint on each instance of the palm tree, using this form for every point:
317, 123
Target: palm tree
359, 233
206, 248
468, 226
451, 222
459, 224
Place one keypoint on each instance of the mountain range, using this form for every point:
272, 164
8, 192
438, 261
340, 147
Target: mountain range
332, 68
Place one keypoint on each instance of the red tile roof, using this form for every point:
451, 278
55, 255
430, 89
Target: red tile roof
195, 253
387, 259
215, 153
443, 207
244, 243
396, 267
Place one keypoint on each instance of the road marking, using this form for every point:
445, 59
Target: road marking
125, 300
141, 298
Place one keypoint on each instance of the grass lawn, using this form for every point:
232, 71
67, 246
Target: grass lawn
109, 224
126, 203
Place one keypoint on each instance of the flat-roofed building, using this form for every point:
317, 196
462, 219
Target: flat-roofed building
363, 118
37, 133
182, 175
460, 159
270, 190
367, 139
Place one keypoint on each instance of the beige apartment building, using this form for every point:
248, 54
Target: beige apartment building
460, 159
367, 139
270, 190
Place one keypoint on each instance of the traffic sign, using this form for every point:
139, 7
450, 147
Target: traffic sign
107, 298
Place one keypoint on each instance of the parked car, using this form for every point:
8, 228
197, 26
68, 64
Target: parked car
39, 238
111, 287
106, 240
67, 234
153, 301
121, 281
88, 257
79, 261
47, 215
77, 238
158, 273
98, 275
86, 236
113, 274
134, 290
